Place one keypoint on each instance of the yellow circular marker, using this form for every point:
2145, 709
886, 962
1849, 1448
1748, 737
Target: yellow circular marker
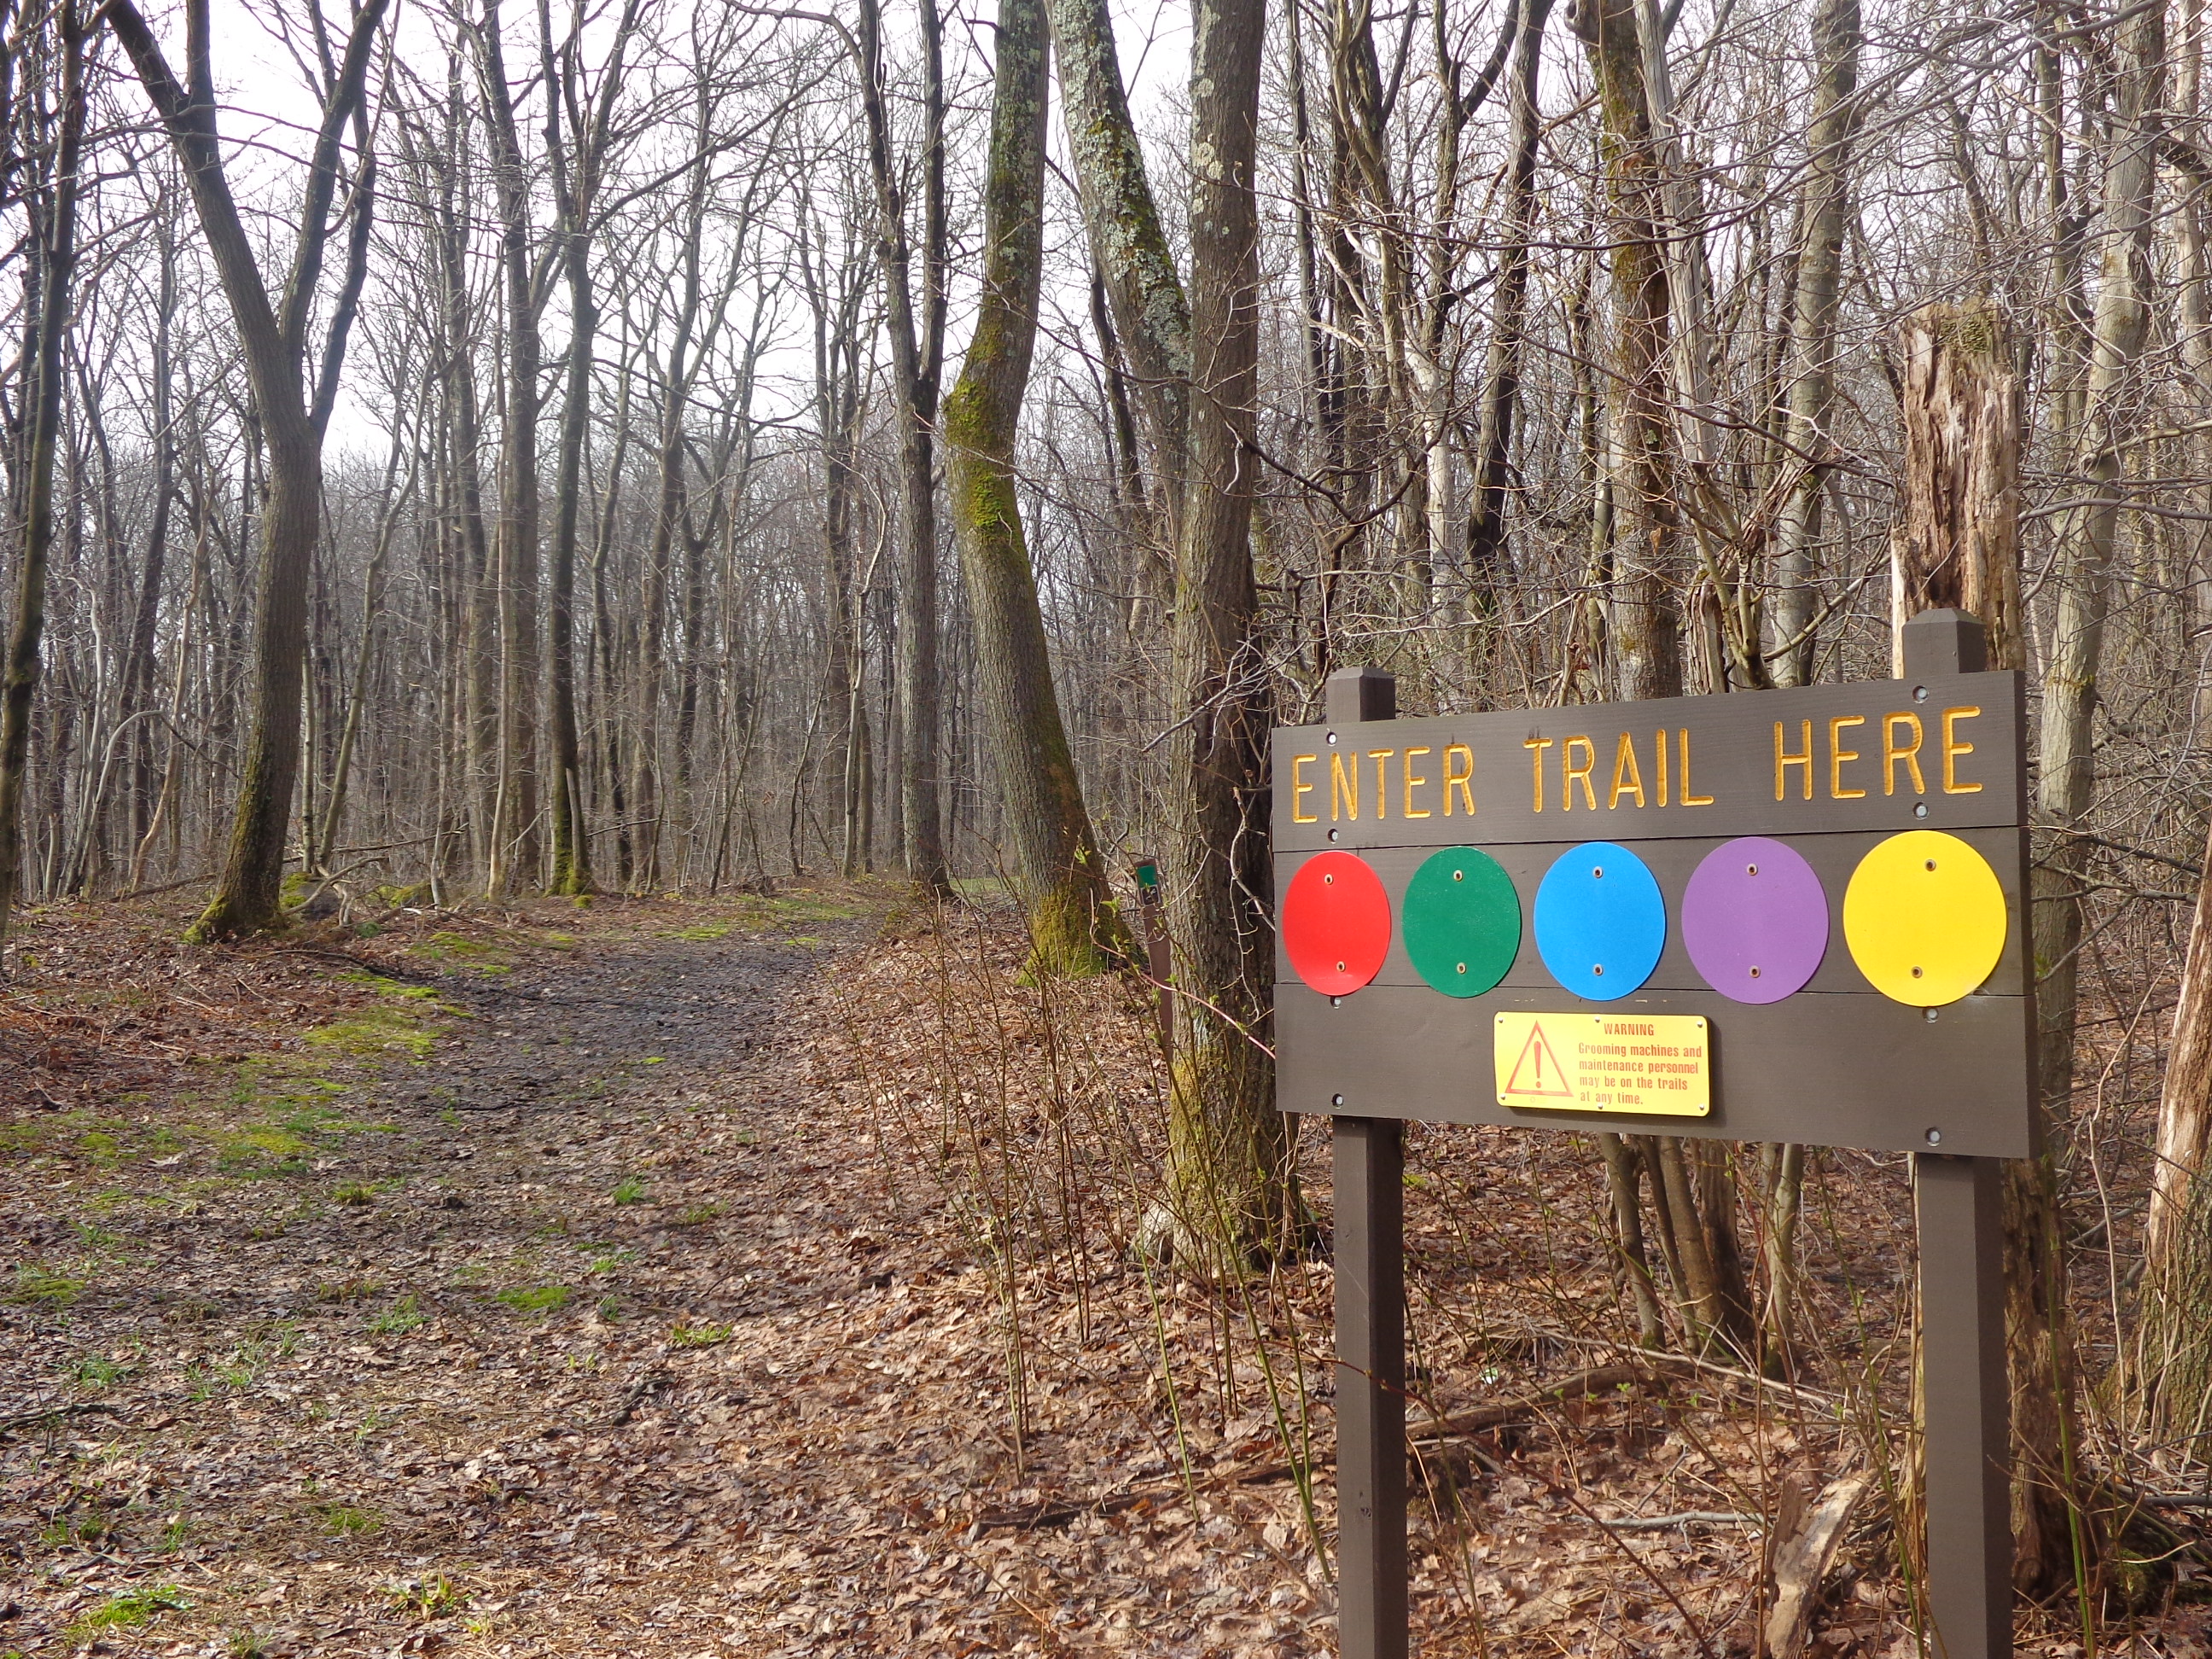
1924, 918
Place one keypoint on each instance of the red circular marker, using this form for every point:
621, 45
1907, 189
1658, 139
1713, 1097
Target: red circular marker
1336, 923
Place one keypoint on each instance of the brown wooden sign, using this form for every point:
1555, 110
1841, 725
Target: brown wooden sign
1831, 878
1790, 915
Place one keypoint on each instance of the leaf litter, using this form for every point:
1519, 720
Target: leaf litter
761, 1276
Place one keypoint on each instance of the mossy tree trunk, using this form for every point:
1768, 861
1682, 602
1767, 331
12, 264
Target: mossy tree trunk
1127, 242
1230, 1153
273, 341
1063, 878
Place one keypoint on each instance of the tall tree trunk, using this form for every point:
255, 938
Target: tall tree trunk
1809, 368
1501, 377
1127, 243
577, 165
917, 360
273, 339
1229, 1149
514, 836
2174, 1364
1062, 877
1957, 544
1691, 1191
140, 666
53, 254
2046, 1533
387, 525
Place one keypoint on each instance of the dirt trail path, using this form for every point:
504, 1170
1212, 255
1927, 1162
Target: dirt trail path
526, 1346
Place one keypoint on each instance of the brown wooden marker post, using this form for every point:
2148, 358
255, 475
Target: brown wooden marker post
1371, 1322
1158, 960
1967, 1411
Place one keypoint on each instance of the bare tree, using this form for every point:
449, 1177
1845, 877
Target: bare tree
45, 153
1062, 877
294, 412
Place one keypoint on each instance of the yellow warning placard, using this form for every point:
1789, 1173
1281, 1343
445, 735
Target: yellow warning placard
1640, 1063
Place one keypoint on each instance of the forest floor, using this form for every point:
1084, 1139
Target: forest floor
753, 1276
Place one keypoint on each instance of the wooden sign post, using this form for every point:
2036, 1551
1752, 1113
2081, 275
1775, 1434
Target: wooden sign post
1797, 915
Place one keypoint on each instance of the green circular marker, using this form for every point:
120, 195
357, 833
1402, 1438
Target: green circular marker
1461, 921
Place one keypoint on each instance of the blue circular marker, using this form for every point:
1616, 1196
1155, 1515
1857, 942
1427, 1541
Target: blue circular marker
1601, 923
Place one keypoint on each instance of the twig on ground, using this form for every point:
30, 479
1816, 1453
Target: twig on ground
31, 1420
1053, 1512
1687, 1517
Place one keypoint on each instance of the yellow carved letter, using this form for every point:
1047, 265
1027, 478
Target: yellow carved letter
1382, 759
1536, 746
1411, 781
1459, 770
1343, 791
1894, 752
1953, 748
1626, 779
1838, 755
1571, 775
1300, 787
1662, 752
1691, 797
1783, 761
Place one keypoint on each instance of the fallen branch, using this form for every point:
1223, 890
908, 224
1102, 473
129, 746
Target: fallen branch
31, 1420
652, 1379
1687, 1517
381, 969
1584, 1385
1052, 1512
1801, 1565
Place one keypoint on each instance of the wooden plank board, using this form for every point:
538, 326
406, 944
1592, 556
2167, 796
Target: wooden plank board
1833, 771
1824, 1069
1938, 753
1832, 856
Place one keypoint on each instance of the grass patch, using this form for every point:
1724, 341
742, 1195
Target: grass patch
355, 1193
434, 1597
698, 1336
97, 1370
39, 1286
402, 1316
129, 1609
456, 947
536, 1298
699, 1215
376, 1034
628, 1190
84, 1134
814, 907
350, 1521
704, 932
265, 1150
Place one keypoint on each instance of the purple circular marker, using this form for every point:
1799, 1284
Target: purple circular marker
1755, 920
